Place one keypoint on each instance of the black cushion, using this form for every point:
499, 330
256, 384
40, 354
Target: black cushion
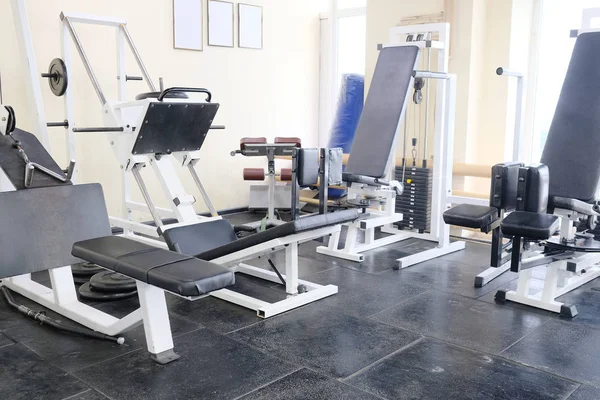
177, 273
183, 238
367, 180
530, 225
471, 216
573, 205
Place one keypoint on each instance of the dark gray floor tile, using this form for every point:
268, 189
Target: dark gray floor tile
361, 294
71, 352
306, 384
450, 277
211, 366
564, 348
222, 316
586, 392
467, 322
587, 301
88, 395
476, 254
325, 339
435, 370
24, 375
4, 341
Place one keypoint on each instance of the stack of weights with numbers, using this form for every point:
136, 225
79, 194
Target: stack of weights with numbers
415, 202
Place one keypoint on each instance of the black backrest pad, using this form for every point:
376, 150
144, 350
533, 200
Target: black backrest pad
535, 180
13, 164
198, 238
503, 188
375, 135
174, 126
39, 226
573, 146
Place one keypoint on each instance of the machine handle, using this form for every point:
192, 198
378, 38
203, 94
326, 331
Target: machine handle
183, 89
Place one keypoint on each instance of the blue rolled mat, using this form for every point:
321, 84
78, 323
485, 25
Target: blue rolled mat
349, 107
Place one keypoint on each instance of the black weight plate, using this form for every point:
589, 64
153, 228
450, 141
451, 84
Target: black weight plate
109, 281
80, 280
86, 292
86, 270
58, 83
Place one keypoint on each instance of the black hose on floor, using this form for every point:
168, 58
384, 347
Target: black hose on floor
43, 319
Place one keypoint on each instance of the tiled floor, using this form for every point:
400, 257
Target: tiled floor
420, 333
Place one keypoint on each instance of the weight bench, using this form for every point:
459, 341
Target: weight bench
216, 241
369, 164
503, 199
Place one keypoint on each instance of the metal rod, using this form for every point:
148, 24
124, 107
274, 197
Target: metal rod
28, 174
217, 127
203, 192
138, 178
70, 169
84, 59
426, 110
99, 129
63, 124
324, 184
508, 72
294, 208
138, 58
133, 78
161, 84
430, 75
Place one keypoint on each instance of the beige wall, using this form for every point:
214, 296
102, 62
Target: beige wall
273, 92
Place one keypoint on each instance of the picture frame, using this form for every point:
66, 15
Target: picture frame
250, 26
220, 23
188, 26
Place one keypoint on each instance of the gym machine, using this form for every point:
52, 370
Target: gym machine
277, 196
385, 106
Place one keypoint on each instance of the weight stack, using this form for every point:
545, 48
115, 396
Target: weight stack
415, 202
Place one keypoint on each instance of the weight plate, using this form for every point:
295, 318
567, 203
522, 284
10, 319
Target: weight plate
86, 270
109, 281
86, 292
11, 124
80, 280
59, 81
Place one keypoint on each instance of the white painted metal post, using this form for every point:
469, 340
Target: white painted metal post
291, 268
173, 188
446, 161
33, 83
155, 316
66, 44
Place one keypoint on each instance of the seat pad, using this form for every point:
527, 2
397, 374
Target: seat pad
168, 270
530, 225
471, 216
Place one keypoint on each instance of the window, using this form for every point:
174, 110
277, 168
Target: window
556, 46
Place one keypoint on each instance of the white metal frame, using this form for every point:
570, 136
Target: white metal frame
384, 215
563, 274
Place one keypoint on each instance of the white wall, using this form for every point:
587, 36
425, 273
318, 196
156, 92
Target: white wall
270, 92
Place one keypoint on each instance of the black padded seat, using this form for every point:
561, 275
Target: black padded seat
471, 216
367, 180
168, 270
530, 225
214, 239
573, 205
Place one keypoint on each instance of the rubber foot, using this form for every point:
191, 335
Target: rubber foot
500, 296
164, 357
568, 311
479, 281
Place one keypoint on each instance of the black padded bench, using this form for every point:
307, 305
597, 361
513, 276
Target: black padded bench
530, 225
214, 239
471, 216
183, 275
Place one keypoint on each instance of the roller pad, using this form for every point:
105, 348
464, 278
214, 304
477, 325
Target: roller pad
530, 225
252, 140
254, 174
289, 140
286, 174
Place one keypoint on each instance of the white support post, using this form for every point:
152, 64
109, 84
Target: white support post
291, 268
25, 44
63, 285
66, 45
157, 327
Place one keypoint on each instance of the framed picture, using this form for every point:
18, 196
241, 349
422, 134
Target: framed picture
250, 26
187, 24
220, 23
